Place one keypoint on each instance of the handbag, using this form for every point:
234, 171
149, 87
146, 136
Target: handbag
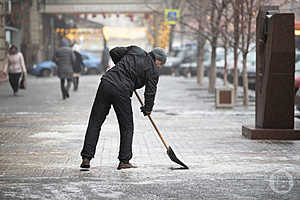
22, 83
3, 76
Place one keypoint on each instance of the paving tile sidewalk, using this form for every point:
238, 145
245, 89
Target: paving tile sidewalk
41, 138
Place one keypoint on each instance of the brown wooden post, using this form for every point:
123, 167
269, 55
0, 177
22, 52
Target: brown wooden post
275, 68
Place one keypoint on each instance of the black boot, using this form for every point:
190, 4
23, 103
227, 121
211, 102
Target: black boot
123, 165
85, 163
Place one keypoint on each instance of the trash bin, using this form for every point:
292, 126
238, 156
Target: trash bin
224, 98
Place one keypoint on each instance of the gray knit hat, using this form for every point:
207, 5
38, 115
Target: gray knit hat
159, 54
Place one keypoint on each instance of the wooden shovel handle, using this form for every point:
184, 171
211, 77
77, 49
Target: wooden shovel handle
154, 125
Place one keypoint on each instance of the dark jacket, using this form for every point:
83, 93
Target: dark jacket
134, 68
64, 59
78, 63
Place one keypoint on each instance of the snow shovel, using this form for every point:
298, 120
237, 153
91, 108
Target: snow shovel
170, 152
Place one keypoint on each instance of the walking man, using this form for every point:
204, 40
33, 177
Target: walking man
64, 59
134, 68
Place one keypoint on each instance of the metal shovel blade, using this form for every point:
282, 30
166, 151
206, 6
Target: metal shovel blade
173, 157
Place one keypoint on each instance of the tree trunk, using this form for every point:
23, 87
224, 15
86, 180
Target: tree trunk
200, 65
26, 45
47, 31
225, 67
235, 75
245, 81
236, 42
212, 71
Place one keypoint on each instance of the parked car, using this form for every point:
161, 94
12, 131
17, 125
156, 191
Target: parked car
177, 57
297, 93
207, 62
219, 62
174, 59
188, 66
188, 69
44, 69
92, 63
297, 69
297, 78
297, 55
48, 68
251, 71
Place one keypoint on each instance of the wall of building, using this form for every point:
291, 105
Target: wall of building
2, 34
32, 42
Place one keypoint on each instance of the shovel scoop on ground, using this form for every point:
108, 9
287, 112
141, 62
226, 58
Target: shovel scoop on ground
170, 152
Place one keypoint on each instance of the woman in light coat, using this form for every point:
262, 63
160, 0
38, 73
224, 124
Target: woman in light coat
15, 67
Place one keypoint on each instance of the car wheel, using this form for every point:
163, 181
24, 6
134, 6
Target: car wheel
92, 71
45, 73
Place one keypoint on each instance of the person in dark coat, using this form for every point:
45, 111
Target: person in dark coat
134, 68
64, 58
77, 67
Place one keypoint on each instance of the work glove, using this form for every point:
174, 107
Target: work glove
143, 110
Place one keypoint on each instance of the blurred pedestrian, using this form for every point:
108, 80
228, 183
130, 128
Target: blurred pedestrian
15, 67
134, 68
75, 46
105, 59
78, 65
64, 59
6, 47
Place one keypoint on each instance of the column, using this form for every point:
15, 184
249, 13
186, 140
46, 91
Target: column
36, 32
2, 34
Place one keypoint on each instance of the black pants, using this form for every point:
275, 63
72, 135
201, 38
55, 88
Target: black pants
76, 83
14, 79
108, 95
65, 89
